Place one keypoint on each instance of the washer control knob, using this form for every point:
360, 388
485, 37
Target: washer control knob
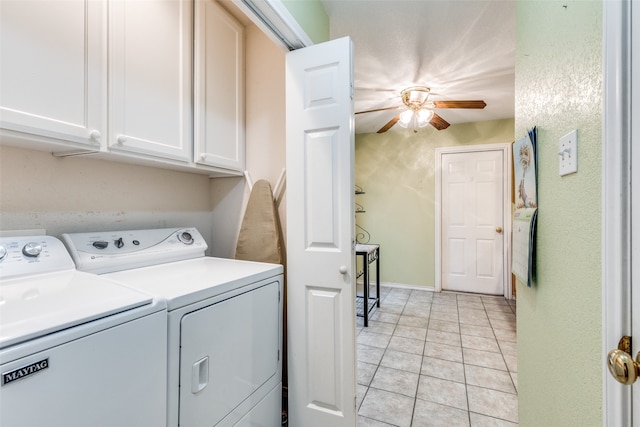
32, 249
185, 237
3, 253
119, 243
100, 244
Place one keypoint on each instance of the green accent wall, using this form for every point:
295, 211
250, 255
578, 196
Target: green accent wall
311, 16
558, 89
397, 172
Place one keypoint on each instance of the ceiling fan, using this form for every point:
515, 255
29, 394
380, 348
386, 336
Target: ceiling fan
419, 112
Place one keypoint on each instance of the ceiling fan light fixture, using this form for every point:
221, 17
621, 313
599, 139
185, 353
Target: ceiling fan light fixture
423, 116
414, 97
406, 118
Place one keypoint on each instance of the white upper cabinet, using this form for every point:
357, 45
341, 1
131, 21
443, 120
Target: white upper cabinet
219, 114
150, 75
52, 72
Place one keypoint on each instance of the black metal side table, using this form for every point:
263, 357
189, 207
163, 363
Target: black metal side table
365, 303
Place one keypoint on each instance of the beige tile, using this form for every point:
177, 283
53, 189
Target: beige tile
392, 408
489, 299
391, 308
410, 332
368, 354
445, 299
493, 403
424, 296
381, 327
420, 322
406, 345
430, 414
489, 378
443, 308
468, 298
402, 361
470, 315
477, 305
381, 316
480, 343
444, 351
441, 391
508, 347
366, 372
484, 358
444, 369
514, 378
503, 308
448, 317
478, 420
478, 331
361, 391
503, 324
396, 381
511, 361
505, 334
368, 422
373, 339
445, 326
416, 311
448, 338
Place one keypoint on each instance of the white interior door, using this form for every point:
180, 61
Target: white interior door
621, 204
320, 227
472, 221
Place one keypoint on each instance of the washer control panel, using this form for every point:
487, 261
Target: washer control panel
28, 255
109, 251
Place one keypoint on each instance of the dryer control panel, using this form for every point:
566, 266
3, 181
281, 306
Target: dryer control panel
109, 251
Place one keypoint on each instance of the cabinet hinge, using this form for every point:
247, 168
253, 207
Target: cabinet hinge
278, 355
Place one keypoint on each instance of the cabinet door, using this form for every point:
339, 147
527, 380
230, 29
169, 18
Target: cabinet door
219, 88
52, 79
150, 78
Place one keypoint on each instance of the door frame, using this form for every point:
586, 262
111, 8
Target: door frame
616, 198
507, 167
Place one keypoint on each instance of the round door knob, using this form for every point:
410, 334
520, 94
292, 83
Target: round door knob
343, 269
622, 367
95, 135
3, 252
499, 229
122, 139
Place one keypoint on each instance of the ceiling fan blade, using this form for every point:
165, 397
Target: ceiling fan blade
438, 122
459, 104
390, 124
378, 109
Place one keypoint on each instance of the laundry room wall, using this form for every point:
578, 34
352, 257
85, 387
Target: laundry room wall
396, 170
76, 194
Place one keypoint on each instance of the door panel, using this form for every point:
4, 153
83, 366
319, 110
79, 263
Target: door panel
472, 210
320, 227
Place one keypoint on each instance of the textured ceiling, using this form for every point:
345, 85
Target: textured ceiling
462, 50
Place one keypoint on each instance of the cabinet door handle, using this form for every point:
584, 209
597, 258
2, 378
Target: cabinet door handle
95, 135
122, 139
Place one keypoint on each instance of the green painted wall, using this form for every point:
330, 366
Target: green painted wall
396, 170
559, 88
311, 16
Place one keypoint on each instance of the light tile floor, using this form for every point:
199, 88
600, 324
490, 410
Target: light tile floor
438, 359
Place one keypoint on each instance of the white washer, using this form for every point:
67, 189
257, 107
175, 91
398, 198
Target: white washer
225, 321
76, 349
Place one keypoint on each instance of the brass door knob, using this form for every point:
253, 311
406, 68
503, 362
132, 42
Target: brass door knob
499, 229
623, 368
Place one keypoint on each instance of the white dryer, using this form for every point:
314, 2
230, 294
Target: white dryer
224, 321
76, 349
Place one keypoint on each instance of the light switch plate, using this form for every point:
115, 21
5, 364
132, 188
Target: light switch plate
568, 153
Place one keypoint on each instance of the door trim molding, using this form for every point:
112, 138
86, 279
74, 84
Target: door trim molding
616, 195
507, 167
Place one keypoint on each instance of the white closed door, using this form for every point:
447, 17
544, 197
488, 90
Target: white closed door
472, 216
320, 227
